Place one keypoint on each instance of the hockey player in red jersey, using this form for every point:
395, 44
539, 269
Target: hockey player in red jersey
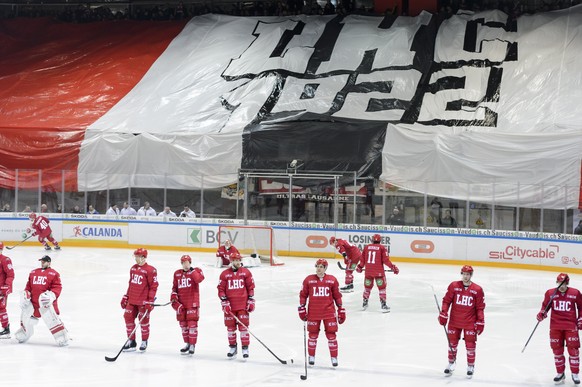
322, 291
236, 289
40, 227
224, 253
6, 279
467, 303
138, 301
40, 299
352, 256
185, 300
566, 320
374, 257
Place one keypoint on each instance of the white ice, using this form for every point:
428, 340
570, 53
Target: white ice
406, 347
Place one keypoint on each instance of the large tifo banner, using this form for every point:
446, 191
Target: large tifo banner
406, 244
480, 106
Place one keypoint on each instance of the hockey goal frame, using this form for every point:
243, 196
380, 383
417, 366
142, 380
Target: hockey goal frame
266, 254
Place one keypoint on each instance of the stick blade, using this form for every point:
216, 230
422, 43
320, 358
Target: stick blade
110, 359
303, 377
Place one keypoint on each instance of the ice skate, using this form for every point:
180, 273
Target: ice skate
143, 346
576, 378
311, 360
184, 351
231, 352
245, 351
191, 349
365, 304
5, 334
47, 247
449, 370
384, 308
470, 371
559, 379
349, 288
57, 247
129, 346
334, 361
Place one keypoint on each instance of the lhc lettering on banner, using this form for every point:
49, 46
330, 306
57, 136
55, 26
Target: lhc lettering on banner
313, 72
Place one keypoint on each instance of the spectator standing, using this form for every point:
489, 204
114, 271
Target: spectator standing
146, 210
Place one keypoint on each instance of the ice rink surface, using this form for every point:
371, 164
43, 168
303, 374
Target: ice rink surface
406, 347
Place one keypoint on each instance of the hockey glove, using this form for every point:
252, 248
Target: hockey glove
46, 299
302, 312
5, 290
225, 305
443, 317
541, 315
341, 315
579, 324
250, 304
359, 269
124, 301
395, 269
148, 306
479, 327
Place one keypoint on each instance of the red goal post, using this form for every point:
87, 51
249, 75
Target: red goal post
249, 240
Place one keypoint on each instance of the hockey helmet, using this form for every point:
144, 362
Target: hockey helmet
185, 258
235, 256
32, 215
563, 277
1, 245
376, 238
141, 252
467, 269
227, 243
321, 261
46, 258
332, 240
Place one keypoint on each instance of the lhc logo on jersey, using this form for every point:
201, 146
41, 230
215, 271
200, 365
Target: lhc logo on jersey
236, 284
464, 300
39, 280
562, 306
320, 292
136, 279
184, 283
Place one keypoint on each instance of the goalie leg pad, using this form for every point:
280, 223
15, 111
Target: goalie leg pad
55, 325
27, 322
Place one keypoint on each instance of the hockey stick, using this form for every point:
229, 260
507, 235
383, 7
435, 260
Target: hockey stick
304, 377
21, 242
343, 268
545, 312
166, 304
439, 309
110, 359
256, 338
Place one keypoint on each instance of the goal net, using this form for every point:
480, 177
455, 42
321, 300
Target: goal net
251, 240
